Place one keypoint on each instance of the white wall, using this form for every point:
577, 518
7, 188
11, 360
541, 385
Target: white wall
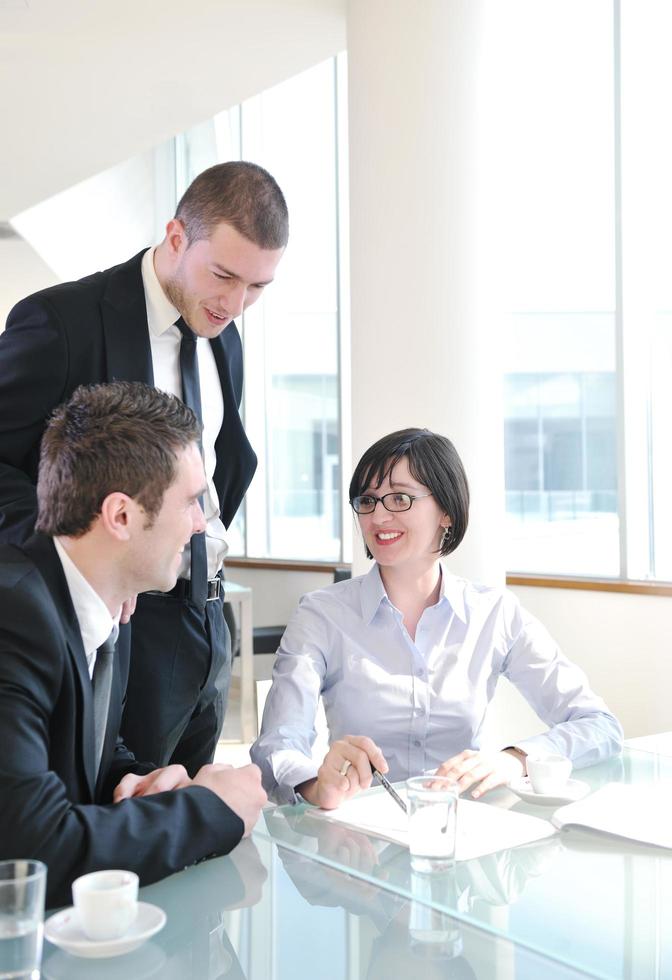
424, 338
623, 643
276, 594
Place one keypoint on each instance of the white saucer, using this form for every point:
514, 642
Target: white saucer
63, 930
573, 790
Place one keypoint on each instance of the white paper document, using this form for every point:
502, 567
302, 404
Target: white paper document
641, 813
481, 829
657, 744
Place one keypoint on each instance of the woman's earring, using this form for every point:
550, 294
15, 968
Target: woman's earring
447, 535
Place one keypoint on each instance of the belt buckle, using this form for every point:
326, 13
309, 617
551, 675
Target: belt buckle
214, 589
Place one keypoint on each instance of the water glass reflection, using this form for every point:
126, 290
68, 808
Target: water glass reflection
434, 934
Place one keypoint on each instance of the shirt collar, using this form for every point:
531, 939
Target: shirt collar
161, 314
93, 616
451, 590
373, 593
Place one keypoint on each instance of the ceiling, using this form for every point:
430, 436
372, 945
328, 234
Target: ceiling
85, 84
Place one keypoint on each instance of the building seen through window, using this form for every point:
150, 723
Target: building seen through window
561, 472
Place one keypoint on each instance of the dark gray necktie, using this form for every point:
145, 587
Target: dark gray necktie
191, 396
102, 685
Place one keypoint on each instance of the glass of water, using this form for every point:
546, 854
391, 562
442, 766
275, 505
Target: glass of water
432, 822
22, 885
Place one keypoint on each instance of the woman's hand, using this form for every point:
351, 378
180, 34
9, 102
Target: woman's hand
488, 769
346, 769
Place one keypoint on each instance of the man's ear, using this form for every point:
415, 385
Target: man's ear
117, 514
176, 239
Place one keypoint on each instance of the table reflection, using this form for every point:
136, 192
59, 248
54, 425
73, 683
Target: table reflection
196, 940
496, 879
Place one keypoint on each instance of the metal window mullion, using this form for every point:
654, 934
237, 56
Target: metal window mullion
339, 365
246, 544
541, 476
650, 472
344, 405
619, 341
584, 431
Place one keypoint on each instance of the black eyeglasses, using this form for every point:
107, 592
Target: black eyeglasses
394, 502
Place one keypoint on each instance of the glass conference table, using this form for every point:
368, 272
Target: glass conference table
306, 898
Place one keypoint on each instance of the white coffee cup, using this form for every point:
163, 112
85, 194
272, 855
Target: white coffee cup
549, 773
106, 903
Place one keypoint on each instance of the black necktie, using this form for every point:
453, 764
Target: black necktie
102, 685
191, 396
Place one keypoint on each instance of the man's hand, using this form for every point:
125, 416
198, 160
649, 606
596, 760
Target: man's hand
240, 789
128, 608
346, 769
488, 769
157, 781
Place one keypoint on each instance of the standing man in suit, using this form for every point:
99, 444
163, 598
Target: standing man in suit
142, 321
120, 480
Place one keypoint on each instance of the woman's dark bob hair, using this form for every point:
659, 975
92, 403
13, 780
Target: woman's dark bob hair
432, 461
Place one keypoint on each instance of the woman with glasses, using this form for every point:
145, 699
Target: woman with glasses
407, 657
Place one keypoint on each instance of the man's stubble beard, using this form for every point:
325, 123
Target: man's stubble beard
175, 293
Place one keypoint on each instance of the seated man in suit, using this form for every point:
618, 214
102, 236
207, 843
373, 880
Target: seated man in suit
119, 484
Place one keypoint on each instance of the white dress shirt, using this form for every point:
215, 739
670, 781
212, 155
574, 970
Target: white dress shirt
424, 700
165, 339
93, 616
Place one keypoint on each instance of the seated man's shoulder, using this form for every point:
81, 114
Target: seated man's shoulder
22, 587
15, 566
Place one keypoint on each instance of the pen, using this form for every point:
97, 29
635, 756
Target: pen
388, 786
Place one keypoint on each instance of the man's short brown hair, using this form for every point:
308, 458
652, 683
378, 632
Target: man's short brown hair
118, 437
241, 194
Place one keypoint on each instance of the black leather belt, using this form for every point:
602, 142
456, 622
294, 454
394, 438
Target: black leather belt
182, 589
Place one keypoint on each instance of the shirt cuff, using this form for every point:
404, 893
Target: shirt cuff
538, 745
290, 768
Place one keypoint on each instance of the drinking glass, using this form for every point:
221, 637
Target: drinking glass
432, 821
22, 886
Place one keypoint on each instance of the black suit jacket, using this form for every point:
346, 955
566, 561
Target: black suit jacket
83, 332
51, 807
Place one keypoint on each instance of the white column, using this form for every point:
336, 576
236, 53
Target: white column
424, 343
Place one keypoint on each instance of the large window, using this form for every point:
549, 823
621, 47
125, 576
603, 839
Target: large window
292, 336
588, 266
561, 479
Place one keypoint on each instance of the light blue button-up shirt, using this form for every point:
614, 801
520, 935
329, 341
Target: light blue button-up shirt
424, 700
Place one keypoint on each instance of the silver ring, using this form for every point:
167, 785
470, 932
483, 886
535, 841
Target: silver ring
343, 771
